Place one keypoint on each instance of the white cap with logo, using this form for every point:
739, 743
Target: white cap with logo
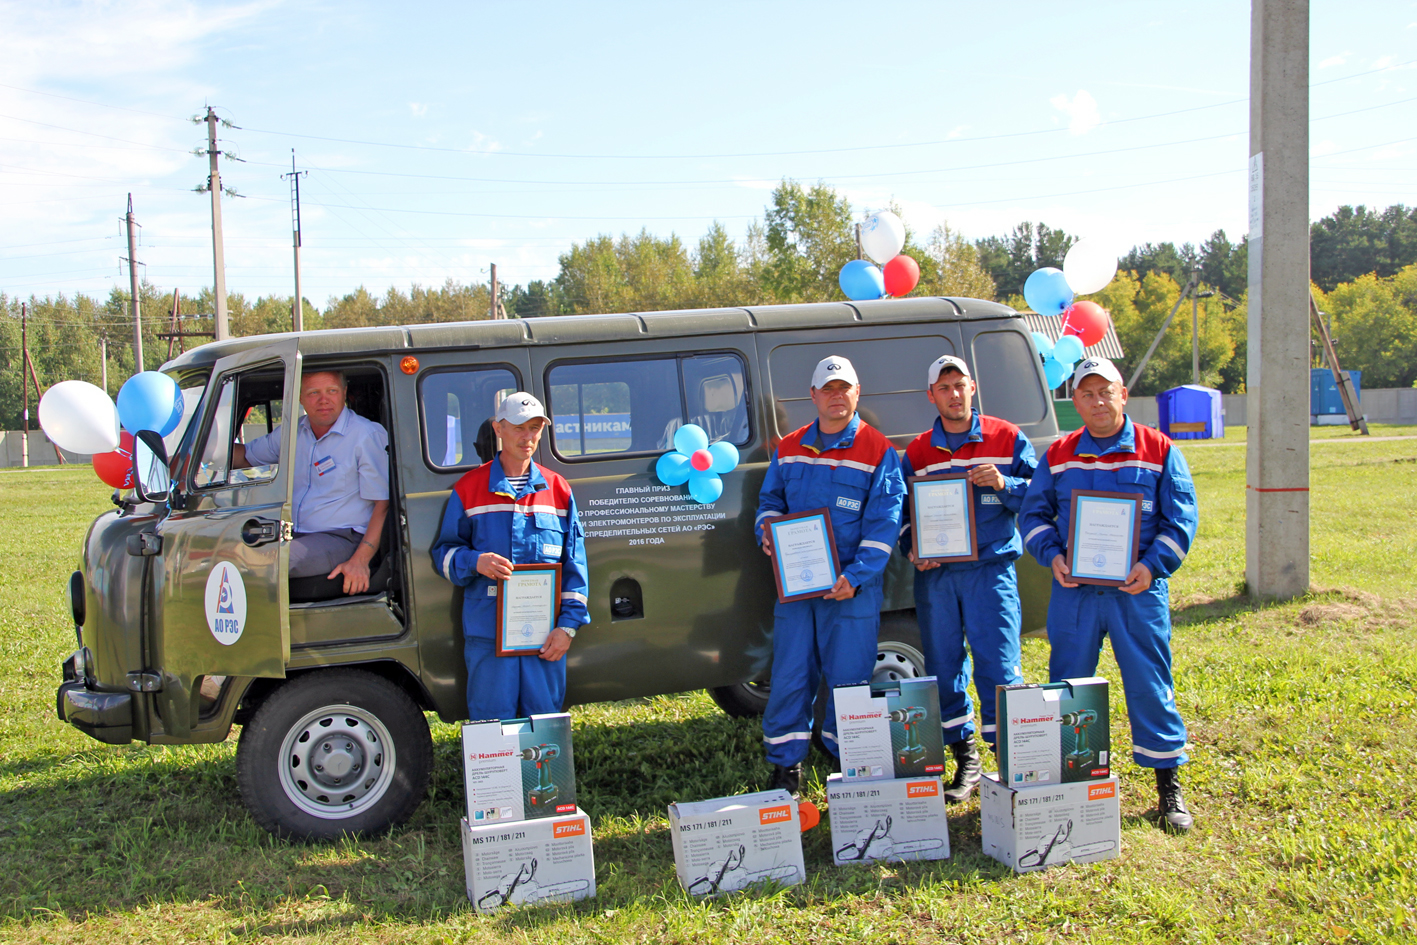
520, 407
833, 368
1099, 366
940, 364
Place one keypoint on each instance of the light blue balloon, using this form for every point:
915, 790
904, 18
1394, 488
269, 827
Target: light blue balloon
725, 457
673, 469
1043, 343
1055, 371
1047, 292
861, 281
147, 401
705, 487
690, 438
179, 408
1068, 350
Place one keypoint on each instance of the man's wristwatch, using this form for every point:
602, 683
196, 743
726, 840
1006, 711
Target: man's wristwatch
568, 632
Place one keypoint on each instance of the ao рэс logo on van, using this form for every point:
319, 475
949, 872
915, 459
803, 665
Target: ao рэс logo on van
226, 603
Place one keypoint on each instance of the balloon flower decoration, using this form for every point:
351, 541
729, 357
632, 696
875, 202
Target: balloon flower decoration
1088, 267
694, 461
82, 418
882, 236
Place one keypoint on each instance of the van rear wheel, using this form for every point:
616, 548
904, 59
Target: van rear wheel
332, 753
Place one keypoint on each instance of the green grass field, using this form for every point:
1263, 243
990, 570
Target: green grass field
1303, 720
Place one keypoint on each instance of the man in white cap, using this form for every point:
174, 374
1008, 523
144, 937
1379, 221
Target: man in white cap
1113, 454
975, 601
512, 511
839, 463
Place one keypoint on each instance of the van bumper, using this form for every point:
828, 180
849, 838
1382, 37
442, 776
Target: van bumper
105, 716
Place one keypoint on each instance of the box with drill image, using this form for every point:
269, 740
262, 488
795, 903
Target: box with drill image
890, 732
1055, 733
519, 769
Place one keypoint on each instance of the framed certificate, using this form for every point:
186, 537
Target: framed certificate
1104, 536
942, 518
527, 603
804, 559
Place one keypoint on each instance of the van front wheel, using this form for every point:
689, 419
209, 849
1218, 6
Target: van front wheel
332, 753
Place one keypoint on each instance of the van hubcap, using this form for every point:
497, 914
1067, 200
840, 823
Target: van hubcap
896, 661
336, 761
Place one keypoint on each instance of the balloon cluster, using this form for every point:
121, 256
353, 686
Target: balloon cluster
1087, 268
82, 418
882, 236
694, 461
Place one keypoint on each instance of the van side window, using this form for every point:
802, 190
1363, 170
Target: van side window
455, 405
635, 406
1005, 368
249, 407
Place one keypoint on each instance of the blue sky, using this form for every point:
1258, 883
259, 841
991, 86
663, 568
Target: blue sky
442, 137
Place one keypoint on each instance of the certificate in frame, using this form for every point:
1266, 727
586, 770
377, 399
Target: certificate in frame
527, 604
957, 491
1104, 536
809, 566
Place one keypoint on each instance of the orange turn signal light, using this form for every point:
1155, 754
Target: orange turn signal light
409, 365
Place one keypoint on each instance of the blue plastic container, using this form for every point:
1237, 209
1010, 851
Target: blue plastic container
1190, 412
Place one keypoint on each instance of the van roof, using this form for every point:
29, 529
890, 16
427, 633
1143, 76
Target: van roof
571, 329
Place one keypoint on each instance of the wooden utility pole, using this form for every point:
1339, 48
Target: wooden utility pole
133, 287
25, 383
298, 309
219, 323
494, 308
1341, 378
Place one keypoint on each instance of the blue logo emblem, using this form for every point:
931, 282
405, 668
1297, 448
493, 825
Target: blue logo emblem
1099, 560
806, 574
224, 596
526, 630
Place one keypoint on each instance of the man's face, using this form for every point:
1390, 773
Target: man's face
953, 395
836, 401
322, 396
520, 440
1100, 403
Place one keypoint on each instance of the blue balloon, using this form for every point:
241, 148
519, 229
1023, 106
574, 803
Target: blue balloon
1043, 343
705, 487
690, 438
148, 401
1047, 292
725, 457
179, 408
861, 281
1068, 350
673, 469
1055, 371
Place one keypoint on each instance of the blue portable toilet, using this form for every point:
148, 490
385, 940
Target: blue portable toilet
1324, 398
1191, 412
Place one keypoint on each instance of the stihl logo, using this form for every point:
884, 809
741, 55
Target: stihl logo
574, 828
922, 789
775, 815
1096, 792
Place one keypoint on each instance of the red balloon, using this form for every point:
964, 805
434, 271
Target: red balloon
901, 273
701, 460
116, 467
1087, 320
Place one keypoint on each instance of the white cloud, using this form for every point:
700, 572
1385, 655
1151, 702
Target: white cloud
1082, 111
1334, 61
484, 143
419, 110
1323, 147
957, 131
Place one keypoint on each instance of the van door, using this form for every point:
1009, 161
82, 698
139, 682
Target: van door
220, 593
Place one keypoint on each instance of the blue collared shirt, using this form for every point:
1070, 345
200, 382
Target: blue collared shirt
338, 477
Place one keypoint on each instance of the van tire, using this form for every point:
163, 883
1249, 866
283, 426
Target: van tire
372, 734
744, 700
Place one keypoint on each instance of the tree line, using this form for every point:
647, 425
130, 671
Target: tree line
1363, 263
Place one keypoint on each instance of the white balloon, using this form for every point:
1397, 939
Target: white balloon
1089, 266
79, 417
882, 236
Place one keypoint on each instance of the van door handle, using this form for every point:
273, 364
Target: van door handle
256, 532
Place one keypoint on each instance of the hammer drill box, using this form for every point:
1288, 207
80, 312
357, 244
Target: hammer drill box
725, 844
545, 860
518, 769
1037, 827
1055, 733
900, 819
890, 732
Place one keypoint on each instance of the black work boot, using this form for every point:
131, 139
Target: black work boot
787, 778
1170, 804
967, 769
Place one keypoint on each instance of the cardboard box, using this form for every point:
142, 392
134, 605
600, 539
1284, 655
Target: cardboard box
544, 860
1056, 733
902, 819
518, 769
890, 732
1036, 827
727, 843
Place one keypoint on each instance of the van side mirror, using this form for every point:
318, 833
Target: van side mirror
151, 479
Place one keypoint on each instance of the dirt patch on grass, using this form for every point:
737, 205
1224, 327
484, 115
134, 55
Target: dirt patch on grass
1316, 615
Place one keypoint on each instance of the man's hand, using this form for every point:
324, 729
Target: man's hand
355, 571
921, 565
1061, 573
841, 590
1138, 580
555, 646
494, 566
767, 539
986, 476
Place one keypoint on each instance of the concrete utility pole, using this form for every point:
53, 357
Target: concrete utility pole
495, 309
1277, 455
298, 309
133, 287
219, 323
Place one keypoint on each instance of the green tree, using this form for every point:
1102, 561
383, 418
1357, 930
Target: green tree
1375, 323
1010, 260
1354, 241
950, 266
809, 238
1139, 306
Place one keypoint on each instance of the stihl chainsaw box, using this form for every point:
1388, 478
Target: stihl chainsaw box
545, 860
901, 819
1033, 828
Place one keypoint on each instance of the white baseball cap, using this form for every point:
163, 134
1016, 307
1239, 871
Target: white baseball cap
520, 407
833, 368
937, 367
1099, 366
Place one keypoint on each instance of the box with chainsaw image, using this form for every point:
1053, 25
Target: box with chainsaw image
1037, 827
518, 769
890, 732
545, 860
729, 843
897, 820
1056, 733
